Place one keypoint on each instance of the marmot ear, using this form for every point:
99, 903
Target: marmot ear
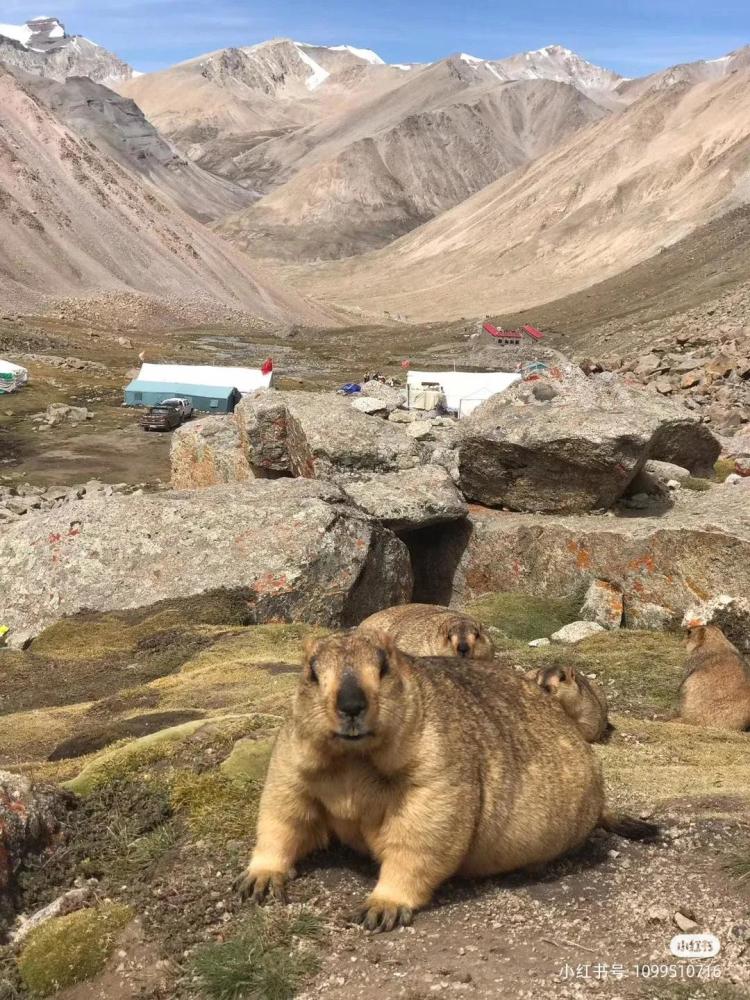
310, 647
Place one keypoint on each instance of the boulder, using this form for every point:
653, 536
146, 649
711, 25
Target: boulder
578, 451
319, 436
696, 550
392, 397
549, 459
293, 549
62, 413
603, 604
576, 632
208, 452
414, 498
372, 407
30, 818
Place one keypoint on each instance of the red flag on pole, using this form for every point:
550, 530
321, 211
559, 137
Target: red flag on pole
406, 363
267, 366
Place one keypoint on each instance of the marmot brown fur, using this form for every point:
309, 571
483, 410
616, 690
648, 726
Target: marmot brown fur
581, 699
715, 688
432, 630
435, 768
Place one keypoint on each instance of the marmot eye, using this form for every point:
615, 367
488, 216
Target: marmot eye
313, 665
383, 660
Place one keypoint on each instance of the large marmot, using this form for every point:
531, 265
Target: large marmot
432, 630
715, 688
435, 768
581, 699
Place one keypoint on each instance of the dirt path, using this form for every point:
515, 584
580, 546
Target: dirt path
581, 929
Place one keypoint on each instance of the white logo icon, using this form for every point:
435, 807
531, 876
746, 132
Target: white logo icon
695, 946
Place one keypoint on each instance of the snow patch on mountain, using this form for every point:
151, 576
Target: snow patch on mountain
17, 32
319, 75
367, 54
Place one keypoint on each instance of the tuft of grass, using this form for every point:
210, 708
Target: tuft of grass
738, 863
723, 468
269, 958
71, 949
217, 807
524, 617
697, 485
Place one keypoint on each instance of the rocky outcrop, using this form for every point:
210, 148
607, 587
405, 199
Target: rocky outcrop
664, 565
319, 436
603, 604
208, 452
576, 447
415, 498
292, 549
29, 820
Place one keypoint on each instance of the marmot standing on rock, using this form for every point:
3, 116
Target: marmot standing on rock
715, 688
581, 699
435, 768
432, 630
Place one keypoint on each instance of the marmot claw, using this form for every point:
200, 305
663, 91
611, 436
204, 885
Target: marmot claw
381, 917
262, 886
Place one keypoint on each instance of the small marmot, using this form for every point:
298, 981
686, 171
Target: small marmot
715, 688
581, 699
434, 767
432, 630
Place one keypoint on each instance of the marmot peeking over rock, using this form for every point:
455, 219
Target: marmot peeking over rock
582, 700
432, 630
715, 688
435, 768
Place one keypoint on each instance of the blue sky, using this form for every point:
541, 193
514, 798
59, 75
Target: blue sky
631, 36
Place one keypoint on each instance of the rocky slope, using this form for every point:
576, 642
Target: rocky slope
369, 176
118, 127
612, 195
42, 46
76, 223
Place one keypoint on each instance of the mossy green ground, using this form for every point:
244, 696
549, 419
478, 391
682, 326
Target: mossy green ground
70, 949
166, 820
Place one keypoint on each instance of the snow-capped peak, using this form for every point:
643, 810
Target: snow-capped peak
367, 54
319, 75
555, 62
41, 29
472, 60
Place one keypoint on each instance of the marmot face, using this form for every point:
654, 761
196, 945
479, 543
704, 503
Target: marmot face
559, 682
705, 635
349, 693
465, 638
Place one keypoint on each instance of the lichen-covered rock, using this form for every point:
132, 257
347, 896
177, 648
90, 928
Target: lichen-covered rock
319, 436
293, 549
208, 452
603, 604
698, 548
414, 498
371, 406
29, 820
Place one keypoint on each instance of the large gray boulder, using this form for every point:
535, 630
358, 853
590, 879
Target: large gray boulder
293, 549
319, 436
415, 498
208, 452
549, 458
577, 447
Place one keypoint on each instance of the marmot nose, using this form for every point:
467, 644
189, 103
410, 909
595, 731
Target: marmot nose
463, 648
351, 700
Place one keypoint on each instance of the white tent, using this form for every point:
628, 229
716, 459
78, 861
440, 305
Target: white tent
12, 376
242, 379
464, 391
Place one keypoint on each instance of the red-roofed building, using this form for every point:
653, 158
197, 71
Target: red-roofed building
532, 332
503, 337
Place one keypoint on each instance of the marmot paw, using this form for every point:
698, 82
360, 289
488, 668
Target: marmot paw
261, 886
379, 917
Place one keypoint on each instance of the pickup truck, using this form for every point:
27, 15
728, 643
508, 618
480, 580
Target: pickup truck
161, 418
183, 406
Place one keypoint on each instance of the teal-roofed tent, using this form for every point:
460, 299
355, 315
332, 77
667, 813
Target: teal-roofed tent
209, 398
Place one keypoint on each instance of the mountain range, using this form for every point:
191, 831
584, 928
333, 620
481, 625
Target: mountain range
460, 187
